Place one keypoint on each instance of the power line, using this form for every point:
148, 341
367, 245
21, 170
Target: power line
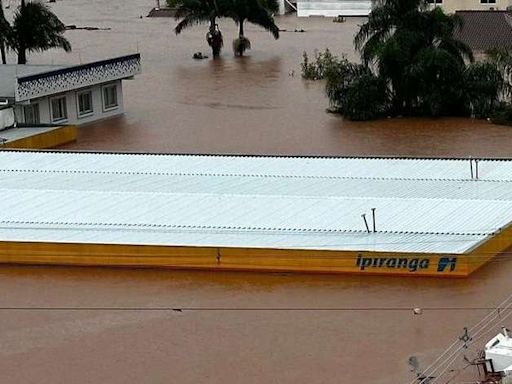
248, 309
477, 329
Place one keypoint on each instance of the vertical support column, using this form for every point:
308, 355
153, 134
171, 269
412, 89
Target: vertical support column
282, 7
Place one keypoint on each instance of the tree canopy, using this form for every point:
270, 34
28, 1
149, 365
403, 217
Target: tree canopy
34, 28
411, 64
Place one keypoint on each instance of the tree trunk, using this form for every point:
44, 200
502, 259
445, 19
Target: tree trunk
22, 55
2, 44
22, 52
241, 36
2, 52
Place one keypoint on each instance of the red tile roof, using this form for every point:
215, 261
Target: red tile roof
485, 30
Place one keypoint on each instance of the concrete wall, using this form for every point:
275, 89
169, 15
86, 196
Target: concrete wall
450, 6
72, 106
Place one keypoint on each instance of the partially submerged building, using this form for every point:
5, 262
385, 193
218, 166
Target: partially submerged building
451, 6
78, 94
397, 216
333, 8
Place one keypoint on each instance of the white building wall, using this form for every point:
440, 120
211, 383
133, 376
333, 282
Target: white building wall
72, 106
450, 6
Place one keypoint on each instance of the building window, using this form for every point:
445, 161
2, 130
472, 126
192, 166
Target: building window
59, 109
109, 97
84, 101
435, 1
31, 113
487, 1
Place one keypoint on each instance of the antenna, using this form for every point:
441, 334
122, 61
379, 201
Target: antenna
365, 222
373, 218
471, 166
476, 169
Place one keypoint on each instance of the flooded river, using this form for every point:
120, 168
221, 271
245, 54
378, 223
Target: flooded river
257, 104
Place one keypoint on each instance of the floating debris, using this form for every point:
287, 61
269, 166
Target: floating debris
73, 27
199, 56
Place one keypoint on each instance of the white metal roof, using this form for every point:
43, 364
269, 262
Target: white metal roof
422, 205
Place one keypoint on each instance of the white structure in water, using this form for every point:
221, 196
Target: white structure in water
499, 351
333, 8
53, 94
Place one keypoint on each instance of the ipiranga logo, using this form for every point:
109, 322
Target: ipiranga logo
405, 263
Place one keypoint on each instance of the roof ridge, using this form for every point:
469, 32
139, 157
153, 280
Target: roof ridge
253, 175
246, 155
239, 228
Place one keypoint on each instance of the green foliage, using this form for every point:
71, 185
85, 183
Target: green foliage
258, 12
483, 83
433, 84
365, 98
502, 59
412, 65
323, 62
36, 28
173, 3
240, 45
502, 114
413, 49
340, 80
352, 89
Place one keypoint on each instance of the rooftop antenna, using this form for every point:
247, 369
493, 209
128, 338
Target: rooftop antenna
476, 169
365, 222
471, 166
373, 218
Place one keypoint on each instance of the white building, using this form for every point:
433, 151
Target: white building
50, 94
333, 8
450, 6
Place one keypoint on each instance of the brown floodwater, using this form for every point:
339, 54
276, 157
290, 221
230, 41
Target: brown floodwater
256, 104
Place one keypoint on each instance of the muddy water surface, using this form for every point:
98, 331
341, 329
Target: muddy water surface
257, 104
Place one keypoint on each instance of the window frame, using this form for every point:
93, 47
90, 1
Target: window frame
85, 113
103, 98
66, 117
34, 107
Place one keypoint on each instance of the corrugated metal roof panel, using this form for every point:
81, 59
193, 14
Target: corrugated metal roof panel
422, 205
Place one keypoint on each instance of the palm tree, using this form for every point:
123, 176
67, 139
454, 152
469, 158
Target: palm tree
4, 32
404, 40
258, 12
36, 28
192, 12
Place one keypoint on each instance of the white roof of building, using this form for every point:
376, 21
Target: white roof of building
9, 73
24, 82
422, 205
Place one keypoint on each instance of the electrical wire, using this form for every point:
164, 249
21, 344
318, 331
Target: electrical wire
478, 328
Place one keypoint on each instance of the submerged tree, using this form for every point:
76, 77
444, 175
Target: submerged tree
413, 49
36, 28
193, 12
258, 12
4, 33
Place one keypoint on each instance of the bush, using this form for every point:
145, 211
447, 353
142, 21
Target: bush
502, 114
319, 68
172, 3
352, 89
366, 98
240, 45
483, 83
434, 83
